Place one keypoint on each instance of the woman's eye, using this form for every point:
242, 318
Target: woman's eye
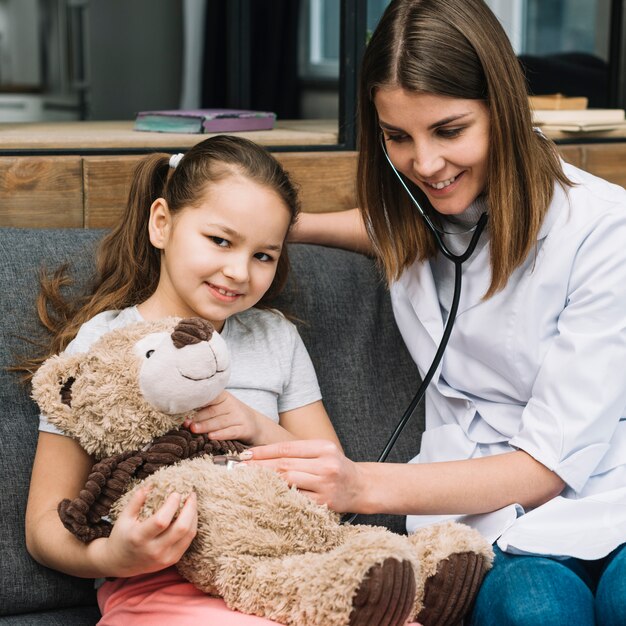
219, 241
263, 256
449, 133
395, 138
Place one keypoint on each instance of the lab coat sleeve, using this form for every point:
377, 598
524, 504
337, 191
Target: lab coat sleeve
579, 393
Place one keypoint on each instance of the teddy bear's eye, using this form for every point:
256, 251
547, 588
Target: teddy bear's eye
149, 354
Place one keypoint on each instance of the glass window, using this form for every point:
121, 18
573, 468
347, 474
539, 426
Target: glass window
563, 45
565, 48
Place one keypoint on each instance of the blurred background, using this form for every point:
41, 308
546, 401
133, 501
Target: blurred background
109, 59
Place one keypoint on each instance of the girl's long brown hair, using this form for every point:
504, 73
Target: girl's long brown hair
127, 265
454, 48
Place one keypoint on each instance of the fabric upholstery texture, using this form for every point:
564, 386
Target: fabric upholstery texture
344, 315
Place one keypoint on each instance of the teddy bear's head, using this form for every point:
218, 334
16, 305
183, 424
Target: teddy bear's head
134, 384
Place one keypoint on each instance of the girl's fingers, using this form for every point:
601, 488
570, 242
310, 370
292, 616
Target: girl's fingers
232, 432
161, 519
188, 516
136, 502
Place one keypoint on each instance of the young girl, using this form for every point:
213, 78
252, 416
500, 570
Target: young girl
526, 416
202, 235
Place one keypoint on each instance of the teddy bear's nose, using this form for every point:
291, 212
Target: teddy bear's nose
191, 330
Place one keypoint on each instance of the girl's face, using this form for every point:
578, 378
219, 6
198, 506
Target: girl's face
439, 143
220, 257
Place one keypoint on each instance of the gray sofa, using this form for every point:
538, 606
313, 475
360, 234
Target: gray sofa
345, 319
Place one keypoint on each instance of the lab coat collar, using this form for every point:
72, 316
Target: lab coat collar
419, 285
477, 271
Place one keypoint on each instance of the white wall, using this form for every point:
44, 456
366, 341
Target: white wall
511, 16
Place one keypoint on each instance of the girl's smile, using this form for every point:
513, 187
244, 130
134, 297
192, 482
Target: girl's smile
223, 293
220, 257
441, 144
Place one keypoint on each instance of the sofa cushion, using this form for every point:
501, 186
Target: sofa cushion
344, 315
80, 616
366, 374
26, 586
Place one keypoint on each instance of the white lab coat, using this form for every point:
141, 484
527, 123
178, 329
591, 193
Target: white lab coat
539, 367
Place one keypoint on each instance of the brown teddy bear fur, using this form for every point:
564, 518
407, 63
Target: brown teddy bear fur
264, 547
298, 565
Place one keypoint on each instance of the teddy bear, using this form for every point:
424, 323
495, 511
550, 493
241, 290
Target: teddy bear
261, 545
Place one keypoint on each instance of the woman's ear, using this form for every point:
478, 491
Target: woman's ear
159, 223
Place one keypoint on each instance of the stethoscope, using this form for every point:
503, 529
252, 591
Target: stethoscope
458, 260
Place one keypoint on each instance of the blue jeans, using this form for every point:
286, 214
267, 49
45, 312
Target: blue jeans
540, 591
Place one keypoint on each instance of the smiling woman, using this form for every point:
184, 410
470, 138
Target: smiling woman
524, 424
463, 56
444, 150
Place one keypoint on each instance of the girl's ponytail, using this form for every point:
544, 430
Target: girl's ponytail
126, 269
127, 265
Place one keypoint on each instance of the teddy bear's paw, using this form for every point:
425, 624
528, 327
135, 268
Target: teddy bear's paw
385, 596
450, 592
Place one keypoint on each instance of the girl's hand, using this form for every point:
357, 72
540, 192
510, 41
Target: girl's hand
227, 418
141, 546
317, 468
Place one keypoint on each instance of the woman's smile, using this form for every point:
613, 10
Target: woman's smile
439, 143
443, 187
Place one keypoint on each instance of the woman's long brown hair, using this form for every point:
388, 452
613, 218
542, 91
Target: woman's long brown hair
127, 265
454, 48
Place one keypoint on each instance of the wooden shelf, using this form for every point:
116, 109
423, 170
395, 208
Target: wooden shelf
77, 174
90, 136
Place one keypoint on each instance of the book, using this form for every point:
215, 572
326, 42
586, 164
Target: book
204, 121
584, 128
559, 117
557, 101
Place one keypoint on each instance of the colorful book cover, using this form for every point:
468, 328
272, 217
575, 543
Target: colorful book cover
204, 121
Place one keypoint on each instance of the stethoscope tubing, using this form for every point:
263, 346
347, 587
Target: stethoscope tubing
458, 260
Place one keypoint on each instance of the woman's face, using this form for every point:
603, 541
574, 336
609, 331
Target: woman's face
439, 143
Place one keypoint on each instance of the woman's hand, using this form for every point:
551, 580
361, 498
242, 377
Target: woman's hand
227, 418
141, 546
317, 468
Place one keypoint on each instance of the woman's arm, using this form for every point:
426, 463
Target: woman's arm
465, 487
135, 547
341, 229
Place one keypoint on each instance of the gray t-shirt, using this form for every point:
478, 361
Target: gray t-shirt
271, 370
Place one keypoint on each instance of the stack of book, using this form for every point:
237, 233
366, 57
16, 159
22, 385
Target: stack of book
558, 113
204, 121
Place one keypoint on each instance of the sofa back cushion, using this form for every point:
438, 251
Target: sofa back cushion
344, 315
25, 586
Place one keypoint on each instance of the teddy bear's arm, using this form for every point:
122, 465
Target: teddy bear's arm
110, 478
107, 481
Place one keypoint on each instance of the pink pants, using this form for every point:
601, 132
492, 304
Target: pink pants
166, 599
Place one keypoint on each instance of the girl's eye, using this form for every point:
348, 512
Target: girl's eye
263, 256
219, 241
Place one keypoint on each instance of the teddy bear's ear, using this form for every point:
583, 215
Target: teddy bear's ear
52, 389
